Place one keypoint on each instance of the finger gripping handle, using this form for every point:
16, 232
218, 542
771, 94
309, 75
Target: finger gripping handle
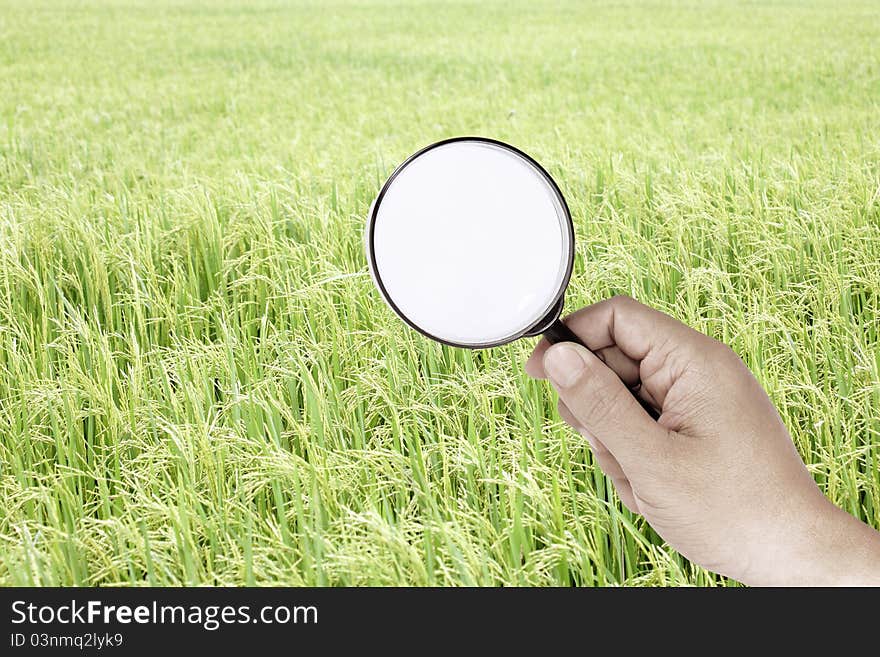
559, 332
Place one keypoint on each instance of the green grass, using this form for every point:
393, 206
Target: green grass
198, 382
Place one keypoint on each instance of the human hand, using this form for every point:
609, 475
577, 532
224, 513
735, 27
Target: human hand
717, 476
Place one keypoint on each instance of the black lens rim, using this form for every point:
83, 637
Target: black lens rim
555, 307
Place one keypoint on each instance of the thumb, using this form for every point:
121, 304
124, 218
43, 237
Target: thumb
601, 402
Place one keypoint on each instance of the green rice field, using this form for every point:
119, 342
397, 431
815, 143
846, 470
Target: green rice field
199, 384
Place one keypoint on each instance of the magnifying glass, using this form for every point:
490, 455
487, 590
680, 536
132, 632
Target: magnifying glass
471, 243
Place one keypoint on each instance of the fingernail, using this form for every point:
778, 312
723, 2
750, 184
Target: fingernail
563, 364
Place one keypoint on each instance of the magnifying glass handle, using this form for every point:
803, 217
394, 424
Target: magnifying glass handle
559, 332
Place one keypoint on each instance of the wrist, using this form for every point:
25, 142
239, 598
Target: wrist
848, 551
824, 546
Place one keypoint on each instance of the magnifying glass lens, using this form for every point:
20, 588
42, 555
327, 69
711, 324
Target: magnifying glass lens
471, 243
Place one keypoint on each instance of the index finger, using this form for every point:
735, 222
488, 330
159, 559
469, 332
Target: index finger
629, 333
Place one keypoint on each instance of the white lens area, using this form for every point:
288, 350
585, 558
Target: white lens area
471, 243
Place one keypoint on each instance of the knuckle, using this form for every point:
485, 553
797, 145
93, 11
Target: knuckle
726, 354
621, 300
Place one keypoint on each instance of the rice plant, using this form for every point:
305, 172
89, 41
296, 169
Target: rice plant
198, 382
